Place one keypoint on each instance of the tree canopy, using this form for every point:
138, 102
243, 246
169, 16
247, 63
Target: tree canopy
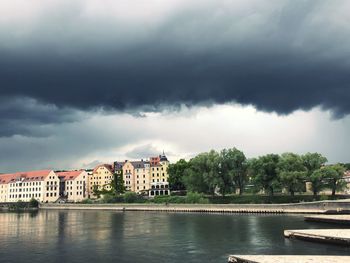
264, 173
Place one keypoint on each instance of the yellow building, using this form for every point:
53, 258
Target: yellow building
128, 176
136, 176
73, 185
159, 176
142, 176
100, 178
23, 186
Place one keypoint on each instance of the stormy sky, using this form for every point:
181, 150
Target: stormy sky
83, 82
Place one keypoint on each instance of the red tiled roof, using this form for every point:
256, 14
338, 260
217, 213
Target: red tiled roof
107, 166
27, 176
69, 175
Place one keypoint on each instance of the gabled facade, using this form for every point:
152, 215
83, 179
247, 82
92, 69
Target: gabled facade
100, 178
128, 176
143, 176
159, 176
73, 185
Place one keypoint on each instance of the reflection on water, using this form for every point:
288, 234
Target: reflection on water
107, 236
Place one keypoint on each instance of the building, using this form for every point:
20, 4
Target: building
73, 185
100, 179
23, 186
159, 176
4, 180
142, 176
118, 167
347, 181
128, 176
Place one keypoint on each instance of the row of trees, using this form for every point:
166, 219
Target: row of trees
229, 170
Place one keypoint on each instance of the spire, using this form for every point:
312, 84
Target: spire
163, 157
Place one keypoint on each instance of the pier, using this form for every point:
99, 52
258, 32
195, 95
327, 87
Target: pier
287, 259
332, 236
333, 219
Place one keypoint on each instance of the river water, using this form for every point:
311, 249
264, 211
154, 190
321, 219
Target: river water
108, 236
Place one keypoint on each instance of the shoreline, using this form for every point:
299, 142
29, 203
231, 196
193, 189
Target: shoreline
318, 207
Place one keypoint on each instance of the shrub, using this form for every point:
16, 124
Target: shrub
33, 203
131, 197
196, 198
160, 199
87, 201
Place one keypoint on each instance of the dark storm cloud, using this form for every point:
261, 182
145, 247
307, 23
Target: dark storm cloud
20, 115
279, 56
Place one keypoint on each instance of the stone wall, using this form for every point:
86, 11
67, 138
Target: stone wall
311, 207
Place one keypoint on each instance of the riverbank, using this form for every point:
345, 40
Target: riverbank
319, 207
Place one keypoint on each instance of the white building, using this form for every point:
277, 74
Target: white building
23, 186
73, 185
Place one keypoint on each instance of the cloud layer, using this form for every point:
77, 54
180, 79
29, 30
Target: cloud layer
70, 70
279, 56
100, 138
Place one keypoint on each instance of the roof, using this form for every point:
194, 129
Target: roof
25, 176
118, 165
163, 157
69, 175
107, 166
138, 164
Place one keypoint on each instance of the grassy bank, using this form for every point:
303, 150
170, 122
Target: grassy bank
195, 198
20, 206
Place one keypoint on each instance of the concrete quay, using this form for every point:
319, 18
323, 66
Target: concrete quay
333, 219
321, 207
331, 236
287, 259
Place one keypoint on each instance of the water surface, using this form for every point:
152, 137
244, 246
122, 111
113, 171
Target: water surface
108, 236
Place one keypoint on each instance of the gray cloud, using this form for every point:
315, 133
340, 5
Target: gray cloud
279, 56
67, 67
145, 151
25, 116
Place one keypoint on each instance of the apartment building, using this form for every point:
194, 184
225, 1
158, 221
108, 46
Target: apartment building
159, 176
128, 176
101, 178
147, 176
73, 185
23, 186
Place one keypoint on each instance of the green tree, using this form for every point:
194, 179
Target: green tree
211, 171
317, 179
313, 163
202, 174
231, 170
346, 165
95, 191
176, 173
237, 168
291, 172
117, 184
335, 178
264, 172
